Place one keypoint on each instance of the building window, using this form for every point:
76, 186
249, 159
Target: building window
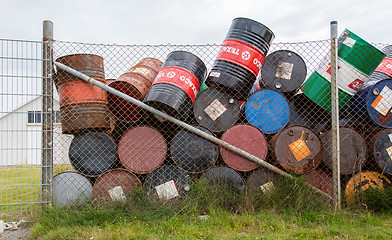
34, 116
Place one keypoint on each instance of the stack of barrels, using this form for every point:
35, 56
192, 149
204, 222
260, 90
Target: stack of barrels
249, 99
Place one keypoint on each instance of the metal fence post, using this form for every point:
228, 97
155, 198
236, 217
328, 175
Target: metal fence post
335, 116
47, 110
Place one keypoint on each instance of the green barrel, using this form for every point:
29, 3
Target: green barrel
357, 59
359, 53
318, 89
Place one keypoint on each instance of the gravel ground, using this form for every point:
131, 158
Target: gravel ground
22, 232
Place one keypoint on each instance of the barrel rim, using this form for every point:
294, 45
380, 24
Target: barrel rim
254, 21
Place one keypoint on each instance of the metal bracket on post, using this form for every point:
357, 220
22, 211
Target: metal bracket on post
335, 116
47, 112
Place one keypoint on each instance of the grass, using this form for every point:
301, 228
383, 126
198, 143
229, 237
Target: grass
211, 212
21, 190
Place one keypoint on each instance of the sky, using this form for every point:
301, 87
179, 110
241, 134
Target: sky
191, 22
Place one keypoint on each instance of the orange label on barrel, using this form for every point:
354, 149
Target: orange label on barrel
181, 78
242, 54
299, 149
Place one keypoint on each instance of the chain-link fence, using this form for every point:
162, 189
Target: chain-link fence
271, 100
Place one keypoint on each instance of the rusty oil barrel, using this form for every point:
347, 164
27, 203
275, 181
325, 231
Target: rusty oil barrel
322, 179
142, 149
82, 105
363, 181
135, 83
297, 149
353, 152
261, 179
115, 185
248, 138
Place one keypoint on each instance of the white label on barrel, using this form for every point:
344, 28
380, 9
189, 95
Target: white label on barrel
167, 190
142, 71
267, 186
117, 194
349, 42
215, 74
383, 102
390, 137
389, 151
215, 109
284, 70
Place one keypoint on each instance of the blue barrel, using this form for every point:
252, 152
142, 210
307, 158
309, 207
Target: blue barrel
373, 104
268, 110
381, 149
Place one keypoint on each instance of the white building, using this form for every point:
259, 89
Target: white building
21, 135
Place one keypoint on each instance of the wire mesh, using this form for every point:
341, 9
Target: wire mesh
270, 99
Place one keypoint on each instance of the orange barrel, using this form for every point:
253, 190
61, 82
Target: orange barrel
248, 138
115, 185
135, 83
353, 152
261, 179
142, 149
82, 105
321, 179
297, 149
363, 181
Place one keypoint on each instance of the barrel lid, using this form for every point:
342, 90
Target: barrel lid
382, 150
193, 153
297, 149
321, 179
115, 184
69, 187
225, 175
245, 137
216, 110
261, 179
93, 153
167, 183
379, 103
142, 149
283, 70
268, 110
352, 156
362, 181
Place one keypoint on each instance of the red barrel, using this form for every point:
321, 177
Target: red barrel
320, 179
175, 87
248, 138
353, 150
241, 57
135, 83
297, 149
142, 149
82, 105
115, 185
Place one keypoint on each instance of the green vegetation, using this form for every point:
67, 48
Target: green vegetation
290, 211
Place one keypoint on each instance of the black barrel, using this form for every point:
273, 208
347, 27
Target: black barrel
192, 153
305, 112
381, 148
241, 56
216, 110
284, 71
261, 179
226, 176
167, 183
353, 152
175, 87
93, 153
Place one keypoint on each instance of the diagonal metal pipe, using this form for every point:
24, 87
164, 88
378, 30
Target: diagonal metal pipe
181, 124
